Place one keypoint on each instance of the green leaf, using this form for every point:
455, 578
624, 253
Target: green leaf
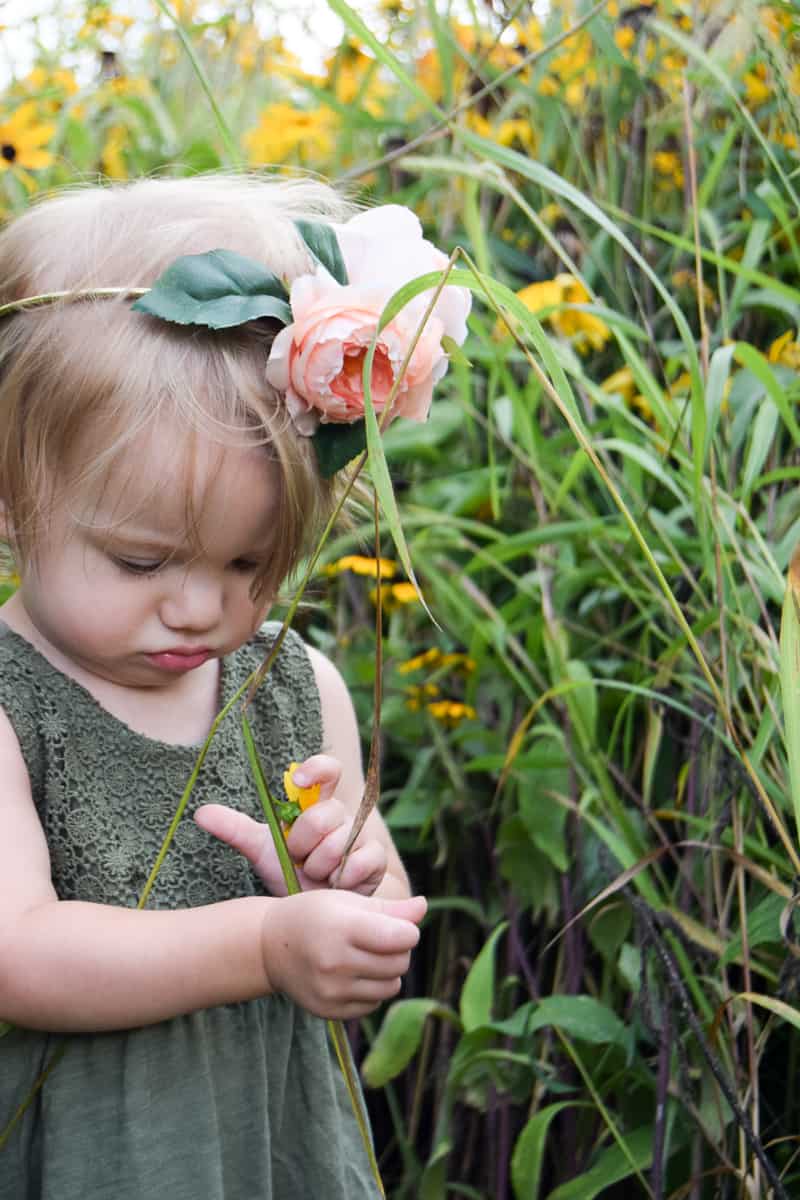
5, 1028
335, 445
526, 1160
219, 289
324, 245
762, 439
779, 1007
581, 1017
454, 352
399, 1037
477, 994
763, 925
789, 677
611, 1166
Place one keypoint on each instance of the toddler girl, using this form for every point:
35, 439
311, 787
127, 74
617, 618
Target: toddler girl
156, 492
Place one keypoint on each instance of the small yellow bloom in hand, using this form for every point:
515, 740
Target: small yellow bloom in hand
304, 796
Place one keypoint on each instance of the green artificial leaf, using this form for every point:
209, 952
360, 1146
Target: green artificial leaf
219, 289
398, 1038
335, 445
324, 245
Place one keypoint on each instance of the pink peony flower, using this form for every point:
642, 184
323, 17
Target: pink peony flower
318, 360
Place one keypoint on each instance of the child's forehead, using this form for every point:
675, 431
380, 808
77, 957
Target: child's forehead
172, 485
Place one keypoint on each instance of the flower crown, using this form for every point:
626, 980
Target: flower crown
330, 317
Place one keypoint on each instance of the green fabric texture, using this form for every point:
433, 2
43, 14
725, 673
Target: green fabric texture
239, 1102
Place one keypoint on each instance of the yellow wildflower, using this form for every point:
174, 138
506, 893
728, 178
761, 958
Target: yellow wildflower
360, 565
538, 296
352, 75
112, 160
667, 165
529, 35
785, 350
284, 130
641, 405
428, 658
304, 796
757, 90
463, 661
123, 85
101, 19
587, 331
417, 696
396, 596
22, 138
184, 10
688, 279
621, 383
451, 712
624, 36
49, 87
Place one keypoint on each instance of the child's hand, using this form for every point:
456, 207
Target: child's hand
339, 955
315, 841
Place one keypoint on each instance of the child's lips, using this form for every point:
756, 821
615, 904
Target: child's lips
180, 658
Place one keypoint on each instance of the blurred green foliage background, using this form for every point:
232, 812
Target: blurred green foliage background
584, 761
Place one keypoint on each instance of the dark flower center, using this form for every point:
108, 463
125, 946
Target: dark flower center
8, 151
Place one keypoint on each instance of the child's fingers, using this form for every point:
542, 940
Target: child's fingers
364, 870
323, 769
236, 829
389, 932
314, 826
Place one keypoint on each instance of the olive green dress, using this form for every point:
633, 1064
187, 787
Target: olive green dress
240, 1102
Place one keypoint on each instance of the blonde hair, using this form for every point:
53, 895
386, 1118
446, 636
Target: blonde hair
79, 381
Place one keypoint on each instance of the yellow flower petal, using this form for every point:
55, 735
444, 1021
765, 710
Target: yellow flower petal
304, 796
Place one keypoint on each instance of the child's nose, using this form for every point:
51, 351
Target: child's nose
195, 602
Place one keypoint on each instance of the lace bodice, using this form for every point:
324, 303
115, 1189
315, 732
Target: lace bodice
106, 794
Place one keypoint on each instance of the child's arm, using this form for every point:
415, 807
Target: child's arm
317, 839
75, 966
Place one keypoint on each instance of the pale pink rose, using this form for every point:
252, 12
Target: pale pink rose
318, 360
384, 248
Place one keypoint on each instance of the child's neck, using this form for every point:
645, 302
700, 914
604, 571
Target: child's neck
180, 713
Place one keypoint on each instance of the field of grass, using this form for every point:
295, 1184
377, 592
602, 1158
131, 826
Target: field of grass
591, 761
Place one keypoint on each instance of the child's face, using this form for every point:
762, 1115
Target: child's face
121, 589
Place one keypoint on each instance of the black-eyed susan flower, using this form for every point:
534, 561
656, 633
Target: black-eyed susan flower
361, 565
396, 595
668, 168
687, 280
284, 130
451, 712
101, 18
459, 661
428, 658
23, 137
785, 350
584, 329
420, 694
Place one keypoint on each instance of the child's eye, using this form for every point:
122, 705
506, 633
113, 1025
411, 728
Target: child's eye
246, 566
135, 566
